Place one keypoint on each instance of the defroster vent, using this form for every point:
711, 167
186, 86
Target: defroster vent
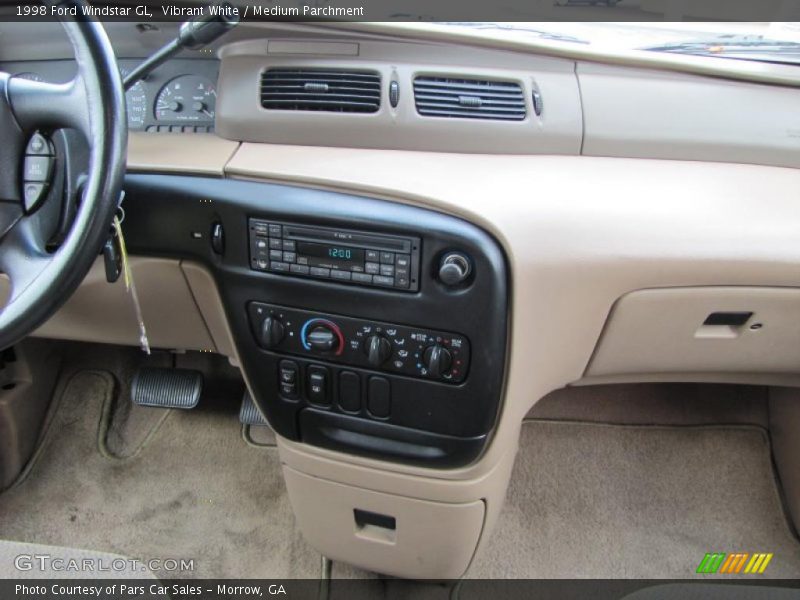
330, 90
469, 98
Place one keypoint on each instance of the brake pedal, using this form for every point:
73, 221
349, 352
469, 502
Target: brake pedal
249, 414
167, 388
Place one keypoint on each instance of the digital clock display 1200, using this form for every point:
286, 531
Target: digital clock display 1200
328, 255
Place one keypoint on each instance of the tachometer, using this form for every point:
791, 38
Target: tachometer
187, 98
136, 103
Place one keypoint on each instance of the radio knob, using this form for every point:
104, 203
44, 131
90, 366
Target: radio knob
438, 360
378, 350
272, 332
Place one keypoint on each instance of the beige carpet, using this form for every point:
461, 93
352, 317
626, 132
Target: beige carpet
195, 490
608, 501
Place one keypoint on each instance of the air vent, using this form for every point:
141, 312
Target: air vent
469, 98
330, 90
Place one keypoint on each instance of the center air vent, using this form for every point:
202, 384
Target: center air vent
469, 98
330, 90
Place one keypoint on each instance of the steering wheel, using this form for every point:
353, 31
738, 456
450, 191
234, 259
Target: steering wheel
93, 103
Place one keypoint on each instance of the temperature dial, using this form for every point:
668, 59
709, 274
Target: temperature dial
321, 335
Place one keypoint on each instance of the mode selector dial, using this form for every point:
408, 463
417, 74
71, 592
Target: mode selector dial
378, 350
437, 359
272, 332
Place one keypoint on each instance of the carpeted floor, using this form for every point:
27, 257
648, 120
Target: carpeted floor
195, 490
586, 498
608, 501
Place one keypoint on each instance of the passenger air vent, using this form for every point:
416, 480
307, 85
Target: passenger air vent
469, 98
330, 90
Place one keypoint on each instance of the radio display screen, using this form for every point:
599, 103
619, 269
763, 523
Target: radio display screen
330, 255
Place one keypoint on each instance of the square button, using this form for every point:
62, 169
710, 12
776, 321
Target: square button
387, 258
317, 385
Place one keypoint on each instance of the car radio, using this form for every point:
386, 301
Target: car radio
339, 255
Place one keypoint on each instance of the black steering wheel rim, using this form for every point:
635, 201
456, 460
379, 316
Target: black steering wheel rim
94, 103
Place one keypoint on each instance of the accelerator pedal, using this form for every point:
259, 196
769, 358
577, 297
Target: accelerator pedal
249, 414
167, 388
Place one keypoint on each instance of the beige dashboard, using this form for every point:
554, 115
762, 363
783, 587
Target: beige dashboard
627, 197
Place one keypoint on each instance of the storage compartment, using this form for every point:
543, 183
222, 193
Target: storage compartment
706, 330
388, 534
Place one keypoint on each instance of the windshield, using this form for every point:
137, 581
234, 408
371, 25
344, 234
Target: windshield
768, 42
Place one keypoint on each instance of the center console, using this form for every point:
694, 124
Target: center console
362, 326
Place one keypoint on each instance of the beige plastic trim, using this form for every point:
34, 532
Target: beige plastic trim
784, 423
431, 539
558, 130
198, 153
102, 312
206, 296
663, 331
637, 113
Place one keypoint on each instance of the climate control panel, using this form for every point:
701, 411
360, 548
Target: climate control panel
400, 349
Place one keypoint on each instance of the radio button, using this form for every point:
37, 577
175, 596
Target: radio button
299, 269
289, 257
381, 280
260, 228
372, 268
302, 260
275, 230
261, 263
320, 272
402, 260
261, 244
387, 270
279, 266
337, 274
276, 255
402, 281
373, 255
289, 245
362, 278
274, 244
387, 257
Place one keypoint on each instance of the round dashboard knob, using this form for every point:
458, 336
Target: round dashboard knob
454, 268
322, 338
322, 335
378, 350
272, 332
437, 359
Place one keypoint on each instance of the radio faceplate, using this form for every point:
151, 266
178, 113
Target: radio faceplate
339, 255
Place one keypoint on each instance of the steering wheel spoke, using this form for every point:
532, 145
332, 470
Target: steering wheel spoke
23, 257
37, 104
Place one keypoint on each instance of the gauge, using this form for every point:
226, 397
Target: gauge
187, 98
136, 103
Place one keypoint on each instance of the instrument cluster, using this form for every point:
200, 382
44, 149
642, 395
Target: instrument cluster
179, 96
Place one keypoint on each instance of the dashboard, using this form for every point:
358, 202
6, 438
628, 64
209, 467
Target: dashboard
178, 97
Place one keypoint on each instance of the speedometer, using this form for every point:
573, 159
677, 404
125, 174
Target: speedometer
187, 98
136, 102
